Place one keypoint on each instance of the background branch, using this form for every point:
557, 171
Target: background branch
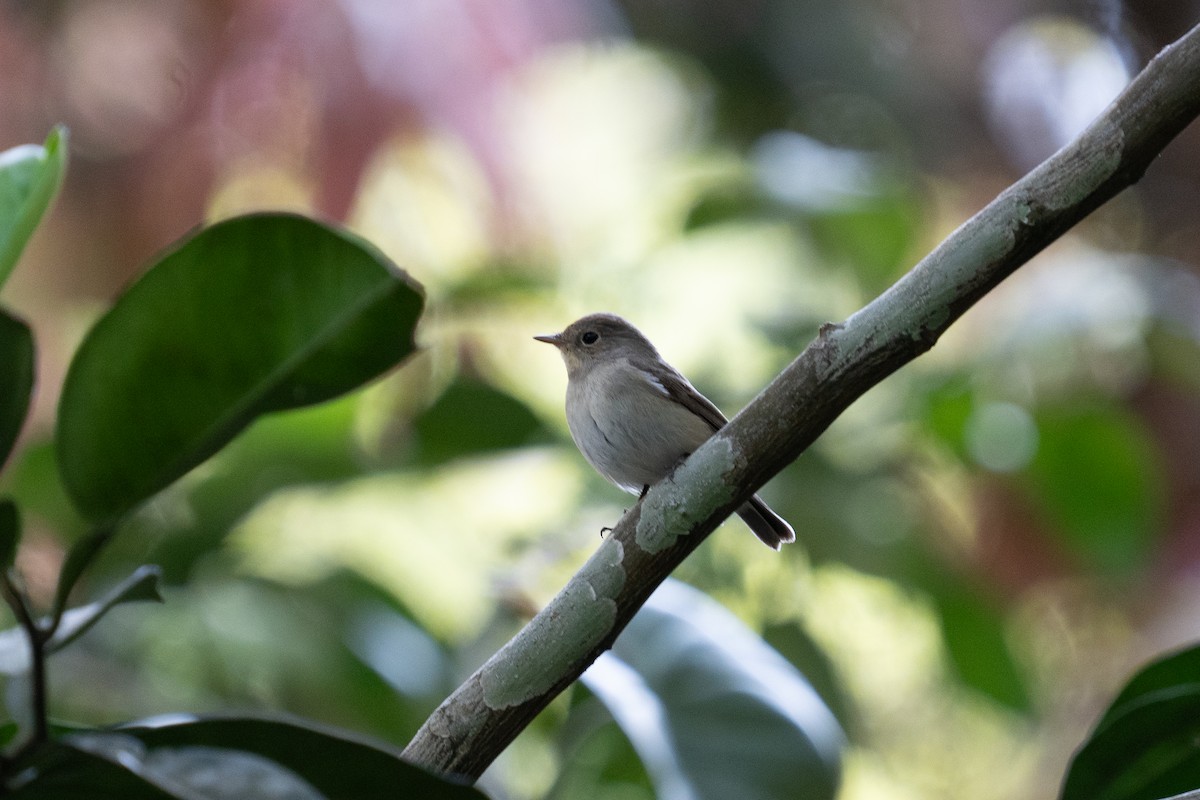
483, 715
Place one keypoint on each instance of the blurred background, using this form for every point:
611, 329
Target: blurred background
989, 542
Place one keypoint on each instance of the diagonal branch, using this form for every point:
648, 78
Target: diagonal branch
483, 715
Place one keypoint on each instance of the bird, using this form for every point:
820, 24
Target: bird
635, 417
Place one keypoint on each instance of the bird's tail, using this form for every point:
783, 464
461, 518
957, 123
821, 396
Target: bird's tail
766, 524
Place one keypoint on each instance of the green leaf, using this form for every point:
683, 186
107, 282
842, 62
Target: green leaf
255, 314
973, 629
29, 179
712, 709
334, 763
1097, 476
1167, 673
140, 586
8, 732
79, 557
729, 203
10, 532
60, 771
16, 354
1146, 745
873, 234
1148, 749
471, 417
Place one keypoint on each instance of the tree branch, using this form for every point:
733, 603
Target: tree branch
486, 713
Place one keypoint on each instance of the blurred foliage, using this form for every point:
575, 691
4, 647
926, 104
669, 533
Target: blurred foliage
29, 179
727, 716
989, 541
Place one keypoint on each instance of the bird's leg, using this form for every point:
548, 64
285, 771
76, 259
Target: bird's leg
645, 489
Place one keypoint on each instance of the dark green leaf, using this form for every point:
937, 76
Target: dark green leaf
29, 179
8, 732
16, 356
1150, 749
710, 707
339, 766
471, 417
1097, 476
1166, 673
60, 771
200, 772
10, 532
255, 314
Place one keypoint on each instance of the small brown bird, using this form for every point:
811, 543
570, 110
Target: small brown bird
634, 417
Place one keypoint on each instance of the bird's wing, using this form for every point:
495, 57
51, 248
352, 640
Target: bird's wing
677, 387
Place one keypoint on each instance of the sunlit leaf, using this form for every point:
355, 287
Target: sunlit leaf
16, 356
29, 178
711, 709
255, 314
334, 763
1096, 475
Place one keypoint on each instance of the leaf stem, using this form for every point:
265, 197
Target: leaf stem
37, 637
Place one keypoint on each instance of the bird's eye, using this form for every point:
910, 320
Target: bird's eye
590, 337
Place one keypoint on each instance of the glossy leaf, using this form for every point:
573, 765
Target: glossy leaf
61, 771
255, 314
1150, 749
1166, 674
1147, 744
711, 709
335, 764
29, 179
16, 356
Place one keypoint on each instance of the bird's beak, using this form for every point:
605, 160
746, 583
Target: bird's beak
551, 338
